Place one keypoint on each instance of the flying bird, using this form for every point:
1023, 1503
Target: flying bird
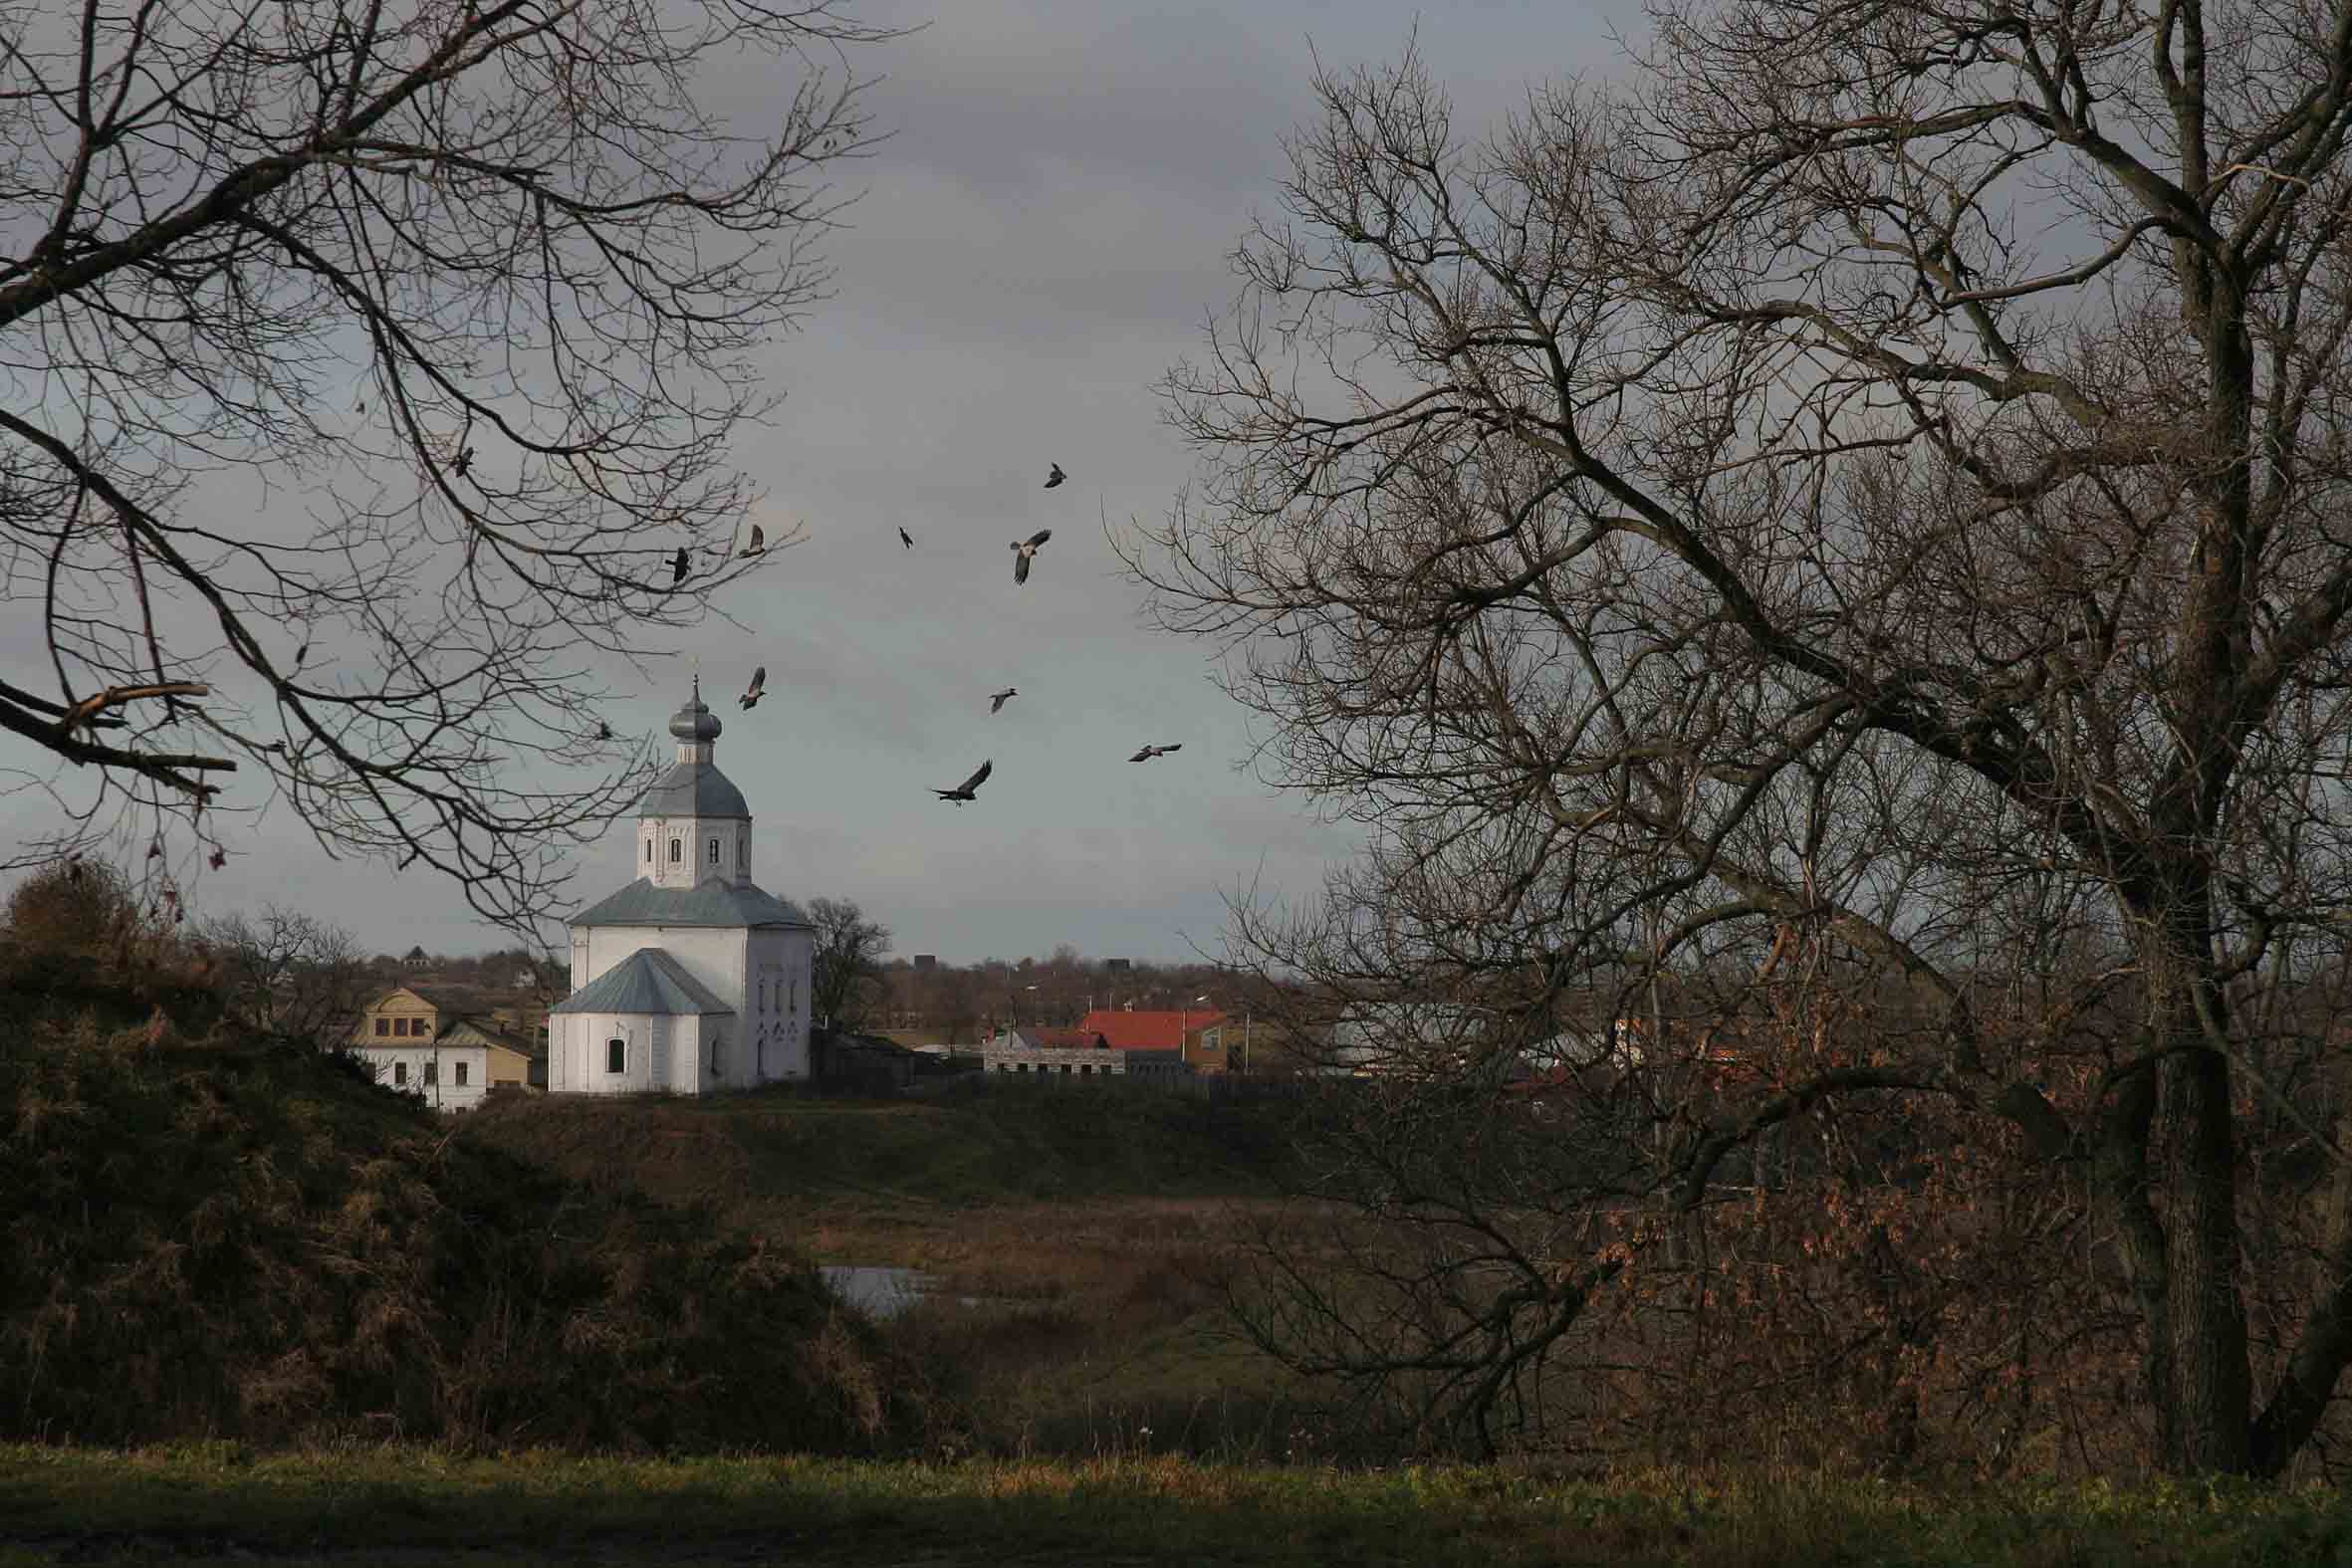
1150, 752
758, 687
965, 790
997, 700
759, 543
1056, 477
678, 564
1025, 552
906, 538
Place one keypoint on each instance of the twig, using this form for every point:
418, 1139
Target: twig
113, 696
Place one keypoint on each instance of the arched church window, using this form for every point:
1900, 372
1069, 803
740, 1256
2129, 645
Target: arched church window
678, 851
617, 1054
650, 852
718, 1055
743, 852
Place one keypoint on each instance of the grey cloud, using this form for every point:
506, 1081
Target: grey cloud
1041, 239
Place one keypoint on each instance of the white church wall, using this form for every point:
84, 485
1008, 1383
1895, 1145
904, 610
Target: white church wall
703, 847
689, 1068
801, 951
713, 954
587, 1054
721, 1060
776, 1006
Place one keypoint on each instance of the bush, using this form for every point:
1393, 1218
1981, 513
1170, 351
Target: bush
227, 1239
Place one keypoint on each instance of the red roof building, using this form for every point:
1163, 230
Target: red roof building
1059, 1039
1139, 1031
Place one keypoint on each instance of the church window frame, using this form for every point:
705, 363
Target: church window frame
677, 851
719, 1054
616, 1050
714, 852
650, 852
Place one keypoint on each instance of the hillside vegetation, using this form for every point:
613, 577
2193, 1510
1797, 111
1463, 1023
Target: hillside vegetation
770, 1158
1081, 1239
203, 1234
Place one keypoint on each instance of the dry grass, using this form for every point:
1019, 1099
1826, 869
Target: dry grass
355, 1505
1094, 1233
217, 1236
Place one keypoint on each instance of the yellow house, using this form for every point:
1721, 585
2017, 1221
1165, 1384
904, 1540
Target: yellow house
441, 1046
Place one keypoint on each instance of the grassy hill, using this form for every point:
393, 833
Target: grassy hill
208, 1235
767, 1159
1081, 1239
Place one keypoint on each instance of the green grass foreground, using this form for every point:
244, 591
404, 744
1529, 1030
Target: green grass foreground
220, 1501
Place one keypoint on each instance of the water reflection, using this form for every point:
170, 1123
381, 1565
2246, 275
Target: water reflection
876, 1289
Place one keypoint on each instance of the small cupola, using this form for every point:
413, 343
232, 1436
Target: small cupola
693, 825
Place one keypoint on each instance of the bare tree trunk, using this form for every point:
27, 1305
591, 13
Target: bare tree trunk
2318, 1358
2196, 1321
2204, 1318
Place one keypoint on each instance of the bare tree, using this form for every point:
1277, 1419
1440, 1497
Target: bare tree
461, 297
1858, 507
74, 907
286, 973
846, 969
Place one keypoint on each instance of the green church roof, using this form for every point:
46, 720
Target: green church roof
713, 903
647, 980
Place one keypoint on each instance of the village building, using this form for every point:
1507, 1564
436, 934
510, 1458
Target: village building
442, 1047
691, 979
1108, 1044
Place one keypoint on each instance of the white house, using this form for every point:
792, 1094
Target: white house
439, 1044
690, 978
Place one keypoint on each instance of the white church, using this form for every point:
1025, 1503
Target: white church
690, 978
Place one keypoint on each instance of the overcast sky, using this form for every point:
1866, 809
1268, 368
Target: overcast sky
1041, 238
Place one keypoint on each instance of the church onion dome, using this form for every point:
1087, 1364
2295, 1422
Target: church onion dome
694, 789
695, 724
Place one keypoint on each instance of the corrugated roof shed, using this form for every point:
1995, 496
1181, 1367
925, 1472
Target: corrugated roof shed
647, 980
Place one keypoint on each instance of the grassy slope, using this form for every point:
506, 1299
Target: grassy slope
219, 1501
228, 1237
770, 1157
1095, 1221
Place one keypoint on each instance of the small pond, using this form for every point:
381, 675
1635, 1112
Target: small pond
876, 1289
